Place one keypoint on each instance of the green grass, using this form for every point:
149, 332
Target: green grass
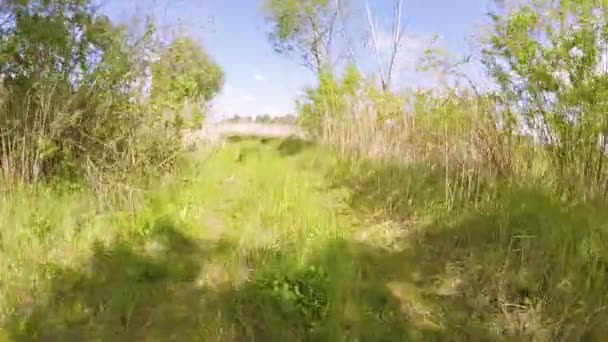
275, 240
500, 262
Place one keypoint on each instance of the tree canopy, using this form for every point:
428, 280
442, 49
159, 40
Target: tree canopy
550, 61
304, 28
185, 70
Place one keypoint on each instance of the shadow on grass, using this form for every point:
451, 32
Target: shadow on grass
388, 190
150, 290
237, 138
293, 145
288, 146
130, 290
343, 293
285, 147
520, 264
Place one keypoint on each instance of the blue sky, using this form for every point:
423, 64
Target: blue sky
260, 81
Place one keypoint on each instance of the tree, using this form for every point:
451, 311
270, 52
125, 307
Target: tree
69, 80
184, 70
386, 72
304, 28
67, 40
265, 118
329, 101
550, 60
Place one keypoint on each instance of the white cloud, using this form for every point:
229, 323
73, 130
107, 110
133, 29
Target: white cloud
248, 98
258, 76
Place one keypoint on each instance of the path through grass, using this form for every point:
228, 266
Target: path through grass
247, 243
264, 240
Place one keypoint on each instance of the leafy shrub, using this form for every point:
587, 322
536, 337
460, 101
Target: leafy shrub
300, 296
184, 73
548, 59
72, 95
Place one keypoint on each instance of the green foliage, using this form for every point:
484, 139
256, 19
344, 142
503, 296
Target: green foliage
438, 220
161, 263
71, 81
185, 71
337, 100
549, 61
263, 118
508, 245
318, 102
303, 294
184, 80
304, 29
300, 248
499, 195
61, 38
329, 99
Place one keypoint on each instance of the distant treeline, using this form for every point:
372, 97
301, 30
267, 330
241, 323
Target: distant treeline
284, 119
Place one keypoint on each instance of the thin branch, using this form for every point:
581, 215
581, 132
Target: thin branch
351, 51
329, 35
372, 29
397, 38
316, 45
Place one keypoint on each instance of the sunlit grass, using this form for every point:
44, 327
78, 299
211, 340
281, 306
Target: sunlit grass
248, 206
249, 242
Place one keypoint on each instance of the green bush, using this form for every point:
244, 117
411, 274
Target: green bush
302, 293
184, 73
72, 99
328, 100
548, 59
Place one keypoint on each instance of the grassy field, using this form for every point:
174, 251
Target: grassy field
275, 240
247, 242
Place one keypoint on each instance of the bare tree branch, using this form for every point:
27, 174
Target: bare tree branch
372, 29
397, 39
341, 20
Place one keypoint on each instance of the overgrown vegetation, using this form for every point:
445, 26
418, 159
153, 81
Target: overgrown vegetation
71, 98
504, 189
452, 213
185, 78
